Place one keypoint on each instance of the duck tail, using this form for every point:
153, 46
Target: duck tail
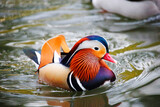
34, 55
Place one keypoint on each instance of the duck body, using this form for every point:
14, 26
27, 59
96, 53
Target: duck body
134, 9
79, 69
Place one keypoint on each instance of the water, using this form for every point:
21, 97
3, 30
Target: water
134, 44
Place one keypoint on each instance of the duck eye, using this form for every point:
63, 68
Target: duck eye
96, 48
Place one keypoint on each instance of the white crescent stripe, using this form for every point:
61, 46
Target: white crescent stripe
80, 85
70, 81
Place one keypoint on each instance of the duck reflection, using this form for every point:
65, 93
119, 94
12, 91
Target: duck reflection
59, 103
91, 101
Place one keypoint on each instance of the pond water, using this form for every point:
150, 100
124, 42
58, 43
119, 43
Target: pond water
134, 44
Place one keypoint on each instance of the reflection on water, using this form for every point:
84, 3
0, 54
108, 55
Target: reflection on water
135, 46
93, 101
121, 25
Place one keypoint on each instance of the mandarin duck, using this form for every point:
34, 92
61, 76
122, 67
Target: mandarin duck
79, 69
134, 9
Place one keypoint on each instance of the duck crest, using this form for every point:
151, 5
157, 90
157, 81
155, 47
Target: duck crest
77, 44
66, 60
85, 65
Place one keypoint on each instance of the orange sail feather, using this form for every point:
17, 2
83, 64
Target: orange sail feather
50, 46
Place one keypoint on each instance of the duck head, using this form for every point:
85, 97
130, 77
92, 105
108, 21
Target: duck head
86, 57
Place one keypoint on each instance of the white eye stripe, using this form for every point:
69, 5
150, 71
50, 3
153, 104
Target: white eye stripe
90, 44
87, 44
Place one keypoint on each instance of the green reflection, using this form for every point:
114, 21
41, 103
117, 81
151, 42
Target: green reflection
20, 27
22, 13
134, 47
127, 75
20, 91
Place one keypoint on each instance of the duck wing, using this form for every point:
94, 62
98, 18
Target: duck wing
51, 50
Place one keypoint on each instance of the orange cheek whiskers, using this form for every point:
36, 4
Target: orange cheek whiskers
85, 65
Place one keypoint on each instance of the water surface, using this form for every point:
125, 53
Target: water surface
134, 44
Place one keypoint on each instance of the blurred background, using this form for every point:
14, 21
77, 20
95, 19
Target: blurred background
135, 44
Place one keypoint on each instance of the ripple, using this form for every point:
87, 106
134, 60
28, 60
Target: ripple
134, 44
